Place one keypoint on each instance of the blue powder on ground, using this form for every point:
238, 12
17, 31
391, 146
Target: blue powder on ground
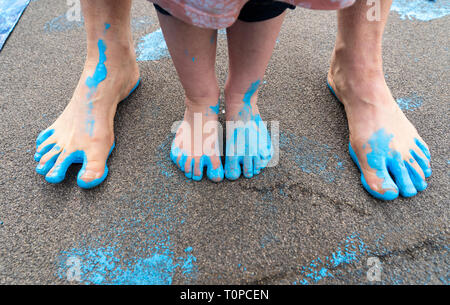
422, 10
410, 103
10, 12
152, 47
352, 250
312, 157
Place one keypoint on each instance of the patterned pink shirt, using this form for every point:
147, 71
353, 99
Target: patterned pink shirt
216, 14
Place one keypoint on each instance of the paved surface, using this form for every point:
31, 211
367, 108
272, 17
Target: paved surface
307, 220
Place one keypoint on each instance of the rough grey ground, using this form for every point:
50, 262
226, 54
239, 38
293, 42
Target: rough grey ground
270, 230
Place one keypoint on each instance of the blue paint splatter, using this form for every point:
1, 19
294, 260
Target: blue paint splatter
410, 103
153, 47
421, 9
352, 250
150, 258
215, 108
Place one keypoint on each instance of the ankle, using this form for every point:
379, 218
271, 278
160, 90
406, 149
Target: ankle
202, 102
118, 52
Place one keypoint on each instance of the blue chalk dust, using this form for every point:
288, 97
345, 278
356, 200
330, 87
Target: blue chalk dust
10, 13
421, 10
152, 47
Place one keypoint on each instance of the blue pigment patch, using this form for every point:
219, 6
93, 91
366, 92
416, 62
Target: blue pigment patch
422, 10
152, 47
351, 251
215, 108
410, 103
312, 157
136, 249
10, 13
93, 81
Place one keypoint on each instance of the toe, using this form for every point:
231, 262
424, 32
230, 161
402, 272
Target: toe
94, 170
58, 173
189, 167
175, 153
48, 161
422, 160
42, 150
198, 169
92, 173
248, 166
386, 190
44, 135
182, 161
416, 175
233, 167
378, 183
424, 148
257, 166
401, 176
214, 169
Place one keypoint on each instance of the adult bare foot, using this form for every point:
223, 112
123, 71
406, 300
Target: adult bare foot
391, 155
84, 132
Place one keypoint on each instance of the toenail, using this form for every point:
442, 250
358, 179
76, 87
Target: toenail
89, 174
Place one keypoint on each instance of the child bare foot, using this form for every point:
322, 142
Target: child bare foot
84, 132
196, 143
248, 144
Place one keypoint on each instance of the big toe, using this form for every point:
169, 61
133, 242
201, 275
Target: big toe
387, 190
92, 174
215, 170
233, 167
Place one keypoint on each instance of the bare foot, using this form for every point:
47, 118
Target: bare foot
196, 143
84, 132
248, 143
392, 157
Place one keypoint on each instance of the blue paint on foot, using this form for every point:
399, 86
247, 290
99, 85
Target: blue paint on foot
249, 145
59, 173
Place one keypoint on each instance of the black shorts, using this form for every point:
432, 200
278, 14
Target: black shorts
253, 10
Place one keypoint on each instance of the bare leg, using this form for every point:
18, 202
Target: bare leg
84, 132
391, 155
250, 46
196, 143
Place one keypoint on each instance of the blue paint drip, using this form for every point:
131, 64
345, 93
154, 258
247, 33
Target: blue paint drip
153, 47
92, 83
215, 108
421, 10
